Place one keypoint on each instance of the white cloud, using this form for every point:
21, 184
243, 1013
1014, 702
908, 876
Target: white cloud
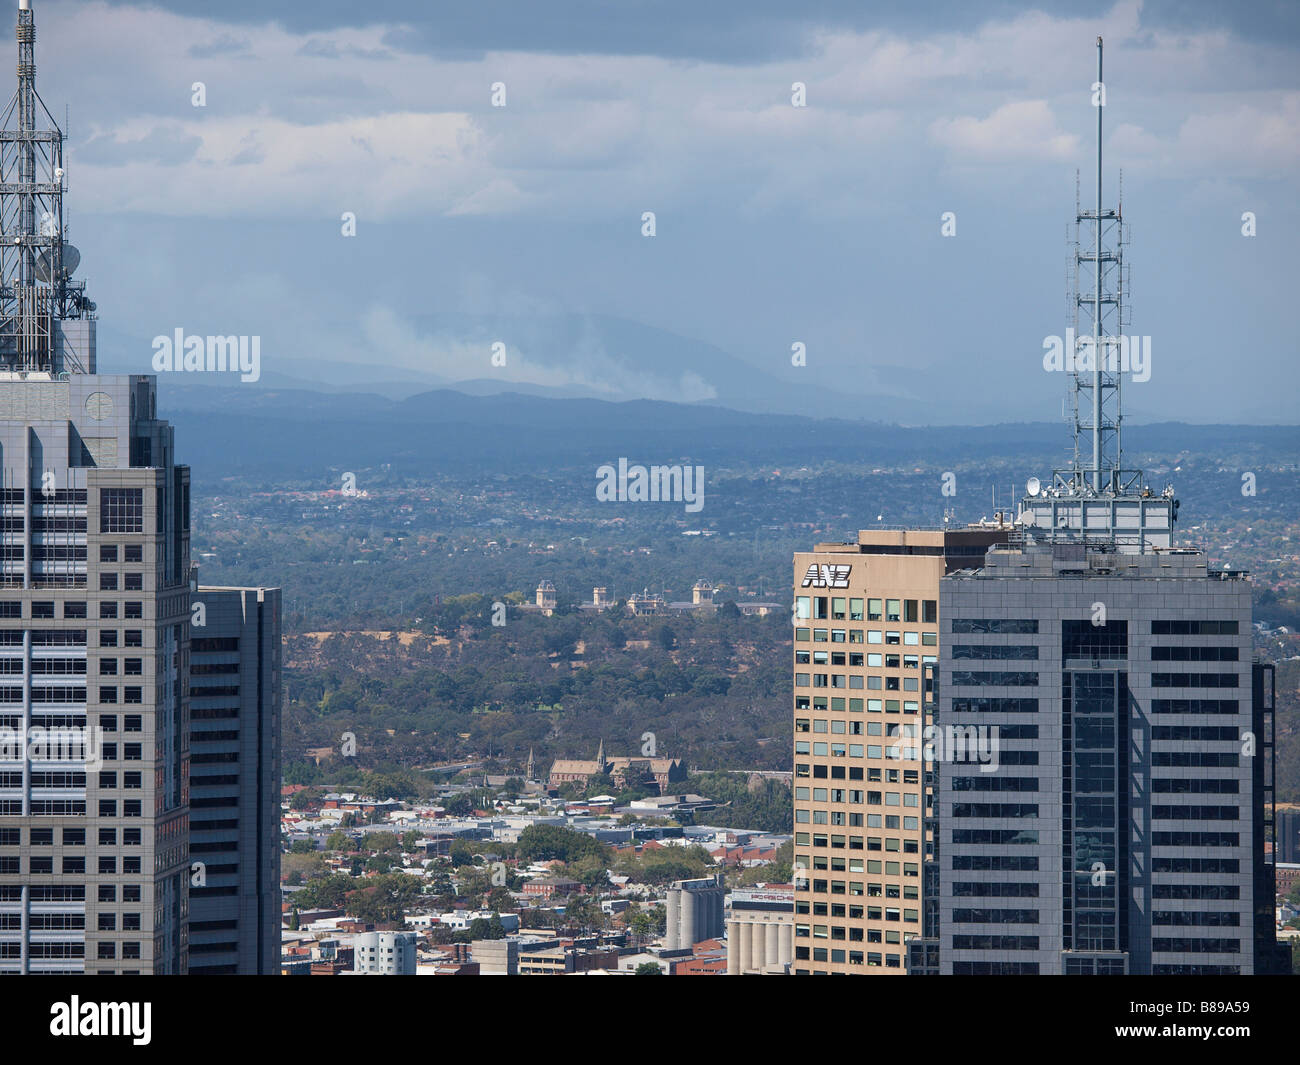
1023, 130
343, 121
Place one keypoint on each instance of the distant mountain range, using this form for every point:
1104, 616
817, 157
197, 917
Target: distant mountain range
572, 356
285, 432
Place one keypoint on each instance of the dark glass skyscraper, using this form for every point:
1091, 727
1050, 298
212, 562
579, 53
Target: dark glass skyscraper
1119, 827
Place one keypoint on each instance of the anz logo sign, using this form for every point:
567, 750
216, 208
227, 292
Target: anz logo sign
826, 576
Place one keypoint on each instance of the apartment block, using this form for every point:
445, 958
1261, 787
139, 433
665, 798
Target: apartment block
866, 623
385, 953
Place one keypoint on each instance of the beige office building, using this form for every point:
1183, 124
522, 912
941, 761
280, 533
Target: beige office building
866, 623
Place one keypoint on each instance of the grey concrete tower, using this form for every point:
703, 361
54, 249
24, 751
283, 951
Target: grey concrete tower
695, 912
1102, 742
94, 608
1118, 826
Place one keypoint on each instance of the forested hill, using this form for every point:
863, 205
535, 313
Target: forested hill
714, 691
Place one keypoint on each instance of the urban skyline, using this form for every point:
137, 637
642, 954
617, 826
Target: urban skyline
339, 720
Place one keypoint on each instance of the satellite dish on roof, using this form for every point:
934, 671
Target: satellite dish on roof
1034, 486
71, 260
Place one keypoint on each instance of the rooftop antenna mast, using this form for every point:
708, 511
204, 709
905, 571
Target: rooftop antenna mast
36, 295
1099, 356
1097, 498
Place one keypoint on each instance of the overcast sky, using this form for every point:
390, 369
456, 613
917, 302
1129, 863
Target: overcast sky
775, 223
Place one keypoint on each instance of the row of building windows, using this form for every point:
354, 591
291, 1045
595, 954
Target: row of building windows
44, 808
983, 915
44, 893
837, 703
1194, 654
131, 752
130, 808
1195, 839
76, 865
995, 942
130, 638
994, 651
109, 695
874, 891
874, 913
871, 636
1192, 786
1195, 680
994, 889
130, 553
1029, 626
859, 798
1195, 865
131, 667
131, 781
873, 843
861, 659
1002, 678
1195, 706
875, 775
44, 922
1194, 732
869, 960
1182, 945
65, 496
130, 582
819, 750
840, 680
840, 727
842, 608
76, 610
1013, 863
988, 810
1190, 918
822, 772
45, 693
819, 886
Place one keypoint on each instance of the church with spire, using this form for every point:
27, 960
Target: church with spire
665, 771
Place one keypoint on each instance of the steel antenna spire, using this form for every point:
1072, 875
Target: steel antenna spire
46, 322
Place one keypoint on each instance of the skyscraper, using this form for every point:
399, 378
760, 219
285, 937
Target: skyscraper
867, 623
94, 864
1120, 826
1118, 823
95, 641
234, 689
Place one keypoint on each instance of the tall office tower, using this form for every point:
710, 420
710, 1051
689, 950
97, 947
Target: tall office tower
235, 781
1119, 824
1122, 828
94, 735
866, 622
